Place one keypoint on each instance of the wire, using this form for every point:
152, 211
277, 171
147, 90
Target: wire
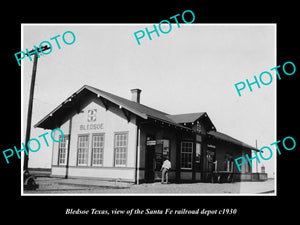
36, 99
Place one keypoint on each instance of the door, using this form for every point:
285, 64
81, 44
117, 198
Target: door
150, 160
162, 150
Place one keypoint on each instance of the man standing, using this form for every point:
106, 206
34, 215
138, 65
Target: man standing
165, 170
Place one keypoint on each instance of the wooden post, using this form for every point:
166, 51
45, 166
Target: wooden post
256, 160
178, 152
68, 149
29, 112
26, 174
194, 158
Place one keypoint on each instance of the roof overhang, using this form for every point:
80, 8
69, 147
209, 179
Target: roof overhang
172, 123
227, 138
192, 118
73, 104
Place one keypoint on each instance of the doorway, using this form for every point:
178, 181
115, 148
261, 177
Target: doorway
150, 162
156, 151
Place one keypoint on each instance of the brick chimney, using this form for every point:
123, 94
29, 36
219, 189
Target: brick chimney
135, 95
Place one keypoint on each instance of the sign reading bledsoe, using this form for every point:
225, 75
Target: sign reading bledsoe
94, 126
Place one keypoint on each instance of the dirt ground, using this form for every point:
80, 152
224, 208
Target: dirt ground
49, 185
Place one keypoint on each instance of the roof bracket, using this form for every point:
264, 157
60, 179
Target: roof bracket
77, 108
127, 114
104, 102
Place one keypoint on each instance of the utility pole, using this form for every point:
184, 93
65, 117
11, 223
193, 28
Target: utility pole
29, 182
256, 160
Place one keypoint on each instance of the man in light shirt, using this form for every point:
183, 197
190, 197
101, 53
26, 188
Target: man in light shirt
165, 170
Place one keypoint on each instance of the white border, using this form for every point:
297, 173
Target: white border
151, 194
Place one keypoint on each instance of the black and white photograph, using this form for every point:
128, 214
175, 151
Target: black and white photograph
159, 116
146, 113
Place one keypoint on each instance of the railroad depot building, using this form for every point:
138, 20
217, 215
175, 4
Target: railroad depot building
110, 137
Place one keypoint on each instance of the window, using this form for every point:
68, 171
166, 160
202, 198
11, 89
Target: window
198, 152
97, 149
166, 148
82, 157
186, 155
121, 142
62, 150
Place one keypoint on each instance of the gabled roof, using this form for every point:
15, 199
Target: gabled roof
227, 138
133, 106
61, 112
192, 118
138, 109
186, 118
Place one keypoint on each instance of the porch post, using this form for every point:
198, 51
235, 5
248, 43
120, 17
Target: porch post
68, 149
177, 173
194, 158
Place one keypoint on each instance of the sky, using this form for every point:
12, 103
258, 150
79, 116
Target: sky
191, 69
